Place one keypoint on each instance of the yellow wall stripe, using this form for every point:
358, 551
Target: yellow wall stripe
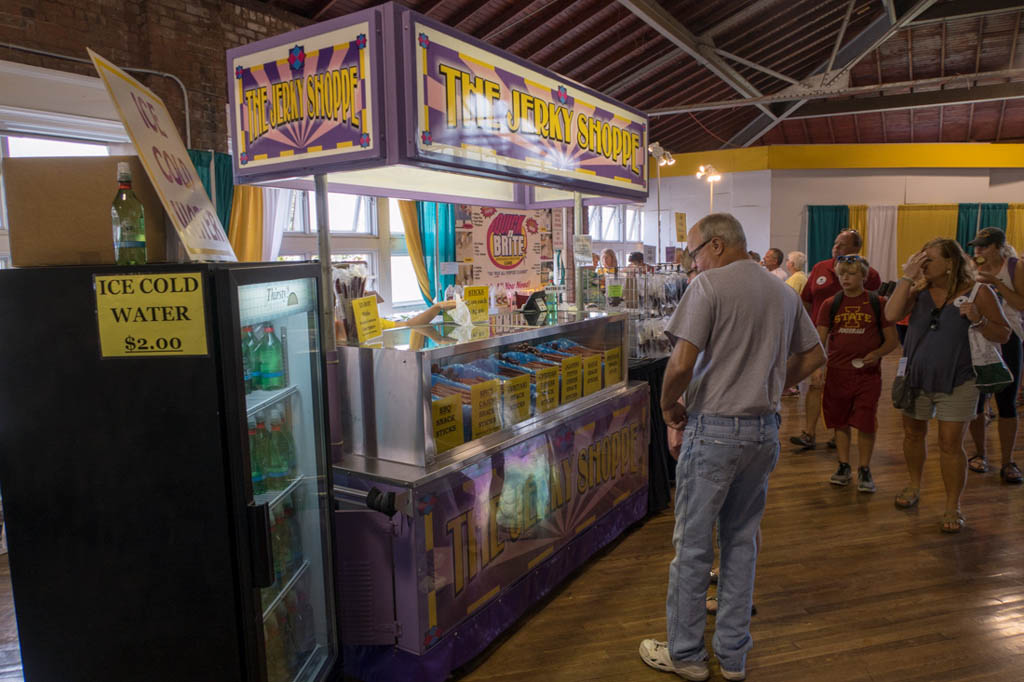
820, 156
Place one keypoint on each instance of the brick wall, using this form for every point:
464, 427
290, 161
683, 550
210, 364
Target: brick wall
186, 38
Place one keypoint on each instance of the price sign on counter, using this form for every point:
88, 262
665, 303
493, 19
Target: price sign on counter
612, 366
367, 318
516, 394
591, 374
485, 406
151, 314
547, 389
447, 414
571, 381
477, 299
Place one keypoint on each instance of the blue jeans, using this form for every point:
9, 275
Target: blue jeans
722, 475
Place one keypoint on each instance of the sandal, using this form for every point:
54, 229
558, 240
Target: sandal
1010, 473
908, 497
978, 464
952, 522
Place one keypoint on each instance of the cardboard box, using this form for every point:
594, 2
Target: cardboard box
58, 210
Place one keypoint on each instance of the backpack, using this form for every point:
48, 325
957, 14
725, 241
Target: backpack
876, 307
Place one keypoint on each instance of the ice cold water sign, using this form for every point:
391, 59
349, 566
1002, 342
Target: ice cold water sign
146, 315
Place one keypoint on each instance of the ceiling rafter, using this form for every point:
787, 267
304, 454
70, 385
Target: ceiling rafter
966, 9
849, 55
654, 15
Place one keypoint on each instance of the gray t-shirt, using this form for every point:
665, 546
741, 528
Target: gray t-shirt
746, 323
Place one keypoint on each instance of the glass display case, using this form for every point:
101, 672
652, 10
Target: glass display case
424, 396
281, 374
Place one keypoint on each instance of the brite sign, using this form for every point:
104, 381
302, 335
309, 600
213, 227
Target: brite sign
506, 241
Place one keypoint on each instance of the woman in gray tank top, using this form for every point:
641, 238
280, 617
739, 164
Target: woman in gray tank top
936, 360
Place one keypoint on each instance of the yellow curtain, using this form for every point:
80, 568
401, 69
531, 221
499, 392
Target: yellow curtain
918, 224
245, 231
1015, 227
859, 222
411, 223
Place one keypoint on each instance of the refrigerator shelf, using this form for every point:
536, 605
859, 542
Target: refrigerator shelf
257, 401
275, 497
286, 589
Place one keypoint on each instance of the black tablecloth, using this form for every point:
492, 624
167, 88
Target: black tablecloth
661, 466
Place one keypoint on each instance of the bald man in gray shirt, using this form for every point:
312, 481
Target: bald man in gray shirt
740, 337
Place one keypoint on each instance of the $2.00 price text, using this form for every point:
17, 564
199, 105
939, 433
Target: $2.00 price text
137, 344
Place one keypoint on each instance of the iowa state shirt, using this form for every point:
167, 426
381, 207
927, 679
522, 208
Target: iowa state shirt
854, 331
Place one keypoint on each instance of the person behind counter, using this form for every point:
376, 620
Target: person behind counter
609, 261
417, 320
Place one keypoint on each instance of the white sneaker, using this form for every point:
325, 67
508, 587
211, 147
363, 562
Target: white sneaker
734, 675
655, 654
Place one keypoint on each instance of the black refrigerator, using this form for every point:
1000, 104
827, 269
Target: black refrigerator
164, 473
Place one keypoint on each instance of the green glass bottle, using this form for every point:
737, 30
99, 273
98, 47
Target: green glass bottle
129, 221
271, 360
257, 457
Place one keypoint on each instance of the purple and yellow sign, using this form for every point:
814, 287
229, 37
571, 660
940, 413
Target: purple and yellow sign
305, 100
490, 524
476, 106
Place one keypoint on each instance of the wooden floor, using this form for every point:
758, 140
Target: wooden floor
849, 588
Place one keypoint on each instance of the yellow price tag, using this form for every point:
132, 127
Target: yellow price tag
151, 314
591, 374
612, 366
447, 414
516, 393
477, 300
571, 379
485, 407
367, 318
547, 389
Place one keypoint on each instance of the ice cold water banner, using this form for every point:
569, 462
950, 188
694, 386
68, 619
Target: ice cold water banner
476, 105
486, 526
502, 248
304, 100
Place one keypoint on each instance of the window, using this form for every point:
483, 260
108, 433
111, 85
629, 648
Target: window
405, 289
605, 223
634, 226
349, 214
37, 146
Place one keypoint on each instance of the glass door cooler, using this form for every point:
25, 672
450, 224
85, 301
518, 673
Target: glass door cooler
164, 473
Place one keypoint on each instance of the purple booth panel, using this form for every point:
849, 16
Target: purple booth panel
365, 581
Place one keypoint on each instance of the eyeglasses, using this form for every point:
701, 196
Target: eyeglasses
693, 254
934, 323
852, 258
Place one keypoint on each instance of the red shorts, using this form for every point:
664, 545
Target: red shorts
851, 398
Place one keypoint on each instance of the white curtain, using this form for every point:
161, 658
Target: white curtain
882, 241
277, 204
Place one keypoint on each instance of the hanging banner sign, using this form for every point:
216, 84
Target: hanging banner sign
305, 100
167, 164
476, 106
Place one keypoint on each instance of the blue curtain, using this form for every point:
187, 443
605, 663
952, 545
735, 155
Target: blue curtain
437, 225
967, 222
225, 180
824, 223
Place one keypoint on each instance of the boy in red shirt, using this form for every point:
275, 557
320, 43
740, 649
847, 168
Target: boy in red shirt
856, 336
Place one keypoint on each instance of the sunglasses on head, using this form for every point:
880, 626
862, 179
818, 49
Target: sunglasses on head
849, 259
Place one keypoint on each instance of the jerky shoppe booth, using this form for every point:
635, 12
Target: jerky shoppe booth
508, 449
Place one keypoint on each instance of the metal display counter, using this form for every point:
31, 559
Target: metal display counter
486, 528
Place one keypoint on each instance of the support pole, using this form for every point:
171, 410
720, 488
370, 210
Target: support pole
323, 238
657, 168
577, 228
438, 294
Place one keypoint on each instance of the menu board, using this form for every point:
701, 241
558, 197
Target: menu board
505, 248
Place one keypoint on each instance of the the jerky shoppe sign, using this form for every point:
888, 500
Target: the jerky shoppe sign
303, 100
475, 105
